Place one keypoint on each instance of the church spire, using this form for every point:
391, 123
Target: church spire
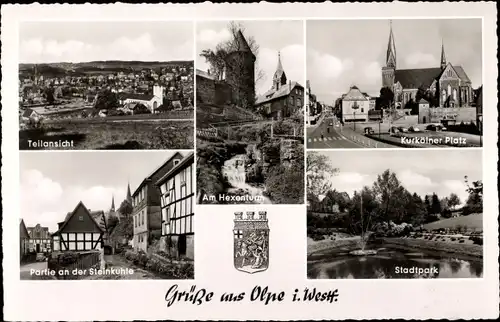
129, 195
112, 203
391, 50
279, 77
443, 56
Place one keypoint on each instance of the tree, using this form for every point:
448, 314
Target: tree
386, 97
435, 204
474, 203
363, 211
125, 208
49, 95
217, 58
391, 196
453, 201
318, 170
106, 100
415, 210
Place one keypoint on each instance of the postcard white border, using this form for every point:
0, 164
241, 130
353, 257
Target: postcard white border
144, 300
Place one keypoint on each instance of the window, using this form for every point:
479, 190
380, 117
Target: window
291, 101
449, 90
135, 222
80, 218
176, 162
299, 102
183, 176
362, 110
143, 217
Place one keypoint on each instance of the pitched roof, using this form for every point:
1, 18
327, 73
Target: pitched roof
415, 78
70, 214
272, 94
154, 172
28, 112
139, 97
187, 159
241, 43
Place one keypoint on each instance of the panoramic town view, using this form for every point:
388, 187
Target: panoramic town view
250, 112
418, 86
131, 87
111, 222
394, 214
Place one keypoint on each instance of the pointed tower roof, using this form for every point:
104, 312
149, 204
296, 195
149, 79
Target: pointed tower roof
443, 56
129, 195
391, 49
279, 69
241, 43
113, 203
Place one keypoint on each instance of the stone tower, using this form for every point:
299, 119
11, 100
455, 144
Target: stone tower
279, 78
389, 69
240, 72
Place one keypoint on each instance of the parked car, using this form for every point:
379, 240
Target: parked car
413, 129
441, 127
369, 130
393, 130
40, 257
435, 127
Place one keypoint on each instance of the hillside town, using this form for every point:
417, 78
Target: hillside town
62, 91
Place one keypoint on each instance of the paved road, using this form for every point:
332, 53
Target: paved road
332, 139
26, 270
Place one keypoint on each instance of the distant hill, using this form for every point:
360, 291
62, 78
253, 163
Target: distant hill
93, 67
471, 221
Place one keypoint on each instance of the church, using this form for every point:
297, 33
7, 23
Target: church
283, 99
446, 86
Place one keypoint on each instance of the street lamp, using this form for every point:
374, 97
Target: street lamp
355, 107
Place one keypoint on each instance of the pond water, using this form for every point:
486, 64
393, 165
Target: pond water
390, 262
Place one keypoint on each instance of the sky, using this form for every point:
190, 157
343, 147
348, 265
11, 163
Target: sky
343, 53
53, 183
420, 171
286, 37
49, 42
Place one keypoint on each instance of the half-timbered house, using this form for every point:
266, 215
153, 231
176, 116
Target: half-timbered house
23, 239
177, 209
40, 240
81, 230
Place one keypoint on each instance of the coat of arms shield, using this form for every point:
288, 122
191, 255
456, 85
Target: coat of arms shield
251, 242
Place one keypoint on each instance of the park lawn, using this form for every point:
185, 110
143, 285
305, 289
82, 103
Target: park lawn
472, 221
115, 135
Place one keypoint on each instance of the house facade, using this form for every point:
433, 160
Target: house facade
356, 105
81, 230
151, 101
177, 209
283, 99
23, 240
146, 206
39, 239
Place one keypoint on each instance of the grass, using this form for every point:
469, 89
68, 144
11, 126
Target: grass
438, 246
473, 221
115, 135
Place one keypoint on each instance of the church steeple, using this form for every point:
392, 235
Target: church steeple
279, 77
391, 50
112, 204
129, 195
443, 56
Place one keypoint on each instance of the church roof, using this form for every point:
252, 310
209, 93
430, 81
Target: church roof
279, 69
273, 94
138, 97
414, 78
423, 101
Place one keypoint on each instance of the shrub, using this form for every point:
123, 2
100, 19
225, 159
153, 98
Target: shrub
461, 241
477, 240
453, 239
67, 258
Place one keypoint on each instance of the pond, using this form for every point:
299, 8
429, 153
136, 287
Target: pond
391, 262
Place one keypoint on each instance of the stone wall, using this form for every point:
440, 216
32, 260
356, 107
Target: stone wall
288, 151
240, 74
223, 93
456, 114
205, 90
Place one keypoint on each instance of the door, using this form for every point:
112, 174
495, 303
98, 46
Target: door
37, 248
182, 245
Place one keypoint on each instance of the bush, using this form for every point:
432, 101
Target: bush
67, 258
453, 239
461, 241
477, 240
